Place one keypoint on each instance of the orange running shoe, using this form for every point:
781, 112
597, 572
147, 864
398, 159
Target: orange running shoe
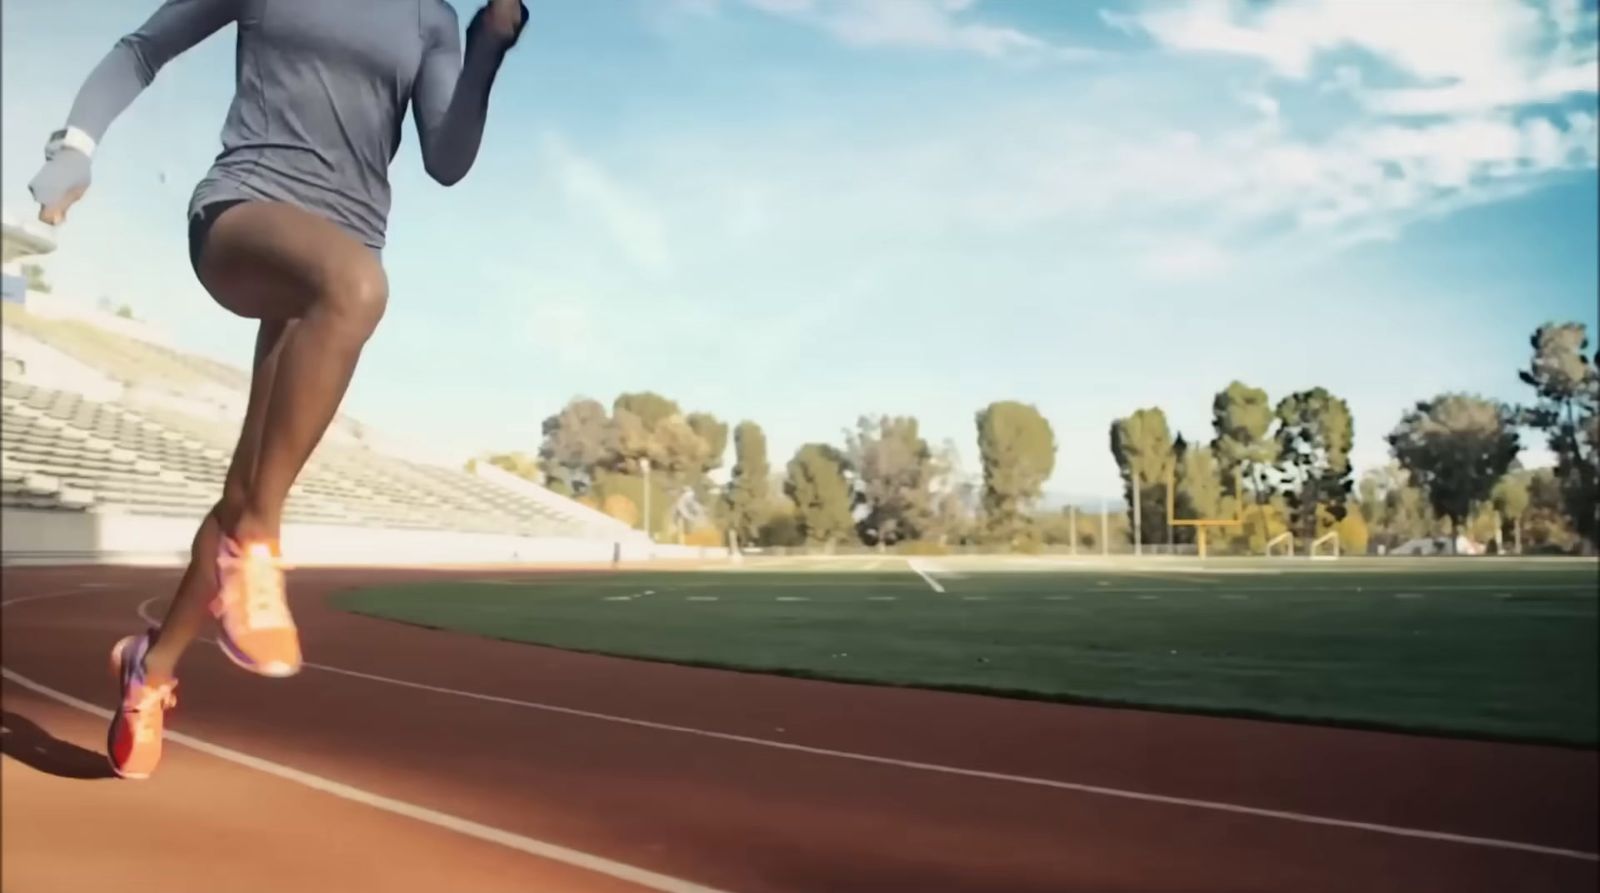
133, 745
256, 630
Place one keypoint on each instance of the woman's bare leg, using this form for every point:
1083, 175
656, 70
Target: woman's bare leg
188, 613
274, 261
320, 295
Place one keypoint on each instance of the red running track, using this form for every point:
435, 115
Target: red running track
408, 759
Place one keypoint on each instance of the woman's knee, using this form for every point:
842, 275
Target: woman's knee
356, 294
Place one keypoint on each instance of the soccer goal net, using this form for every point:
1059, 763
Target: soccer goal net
1282, 544
1325, 547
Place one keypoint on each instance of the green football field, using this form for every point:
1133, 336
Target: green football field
1481, 647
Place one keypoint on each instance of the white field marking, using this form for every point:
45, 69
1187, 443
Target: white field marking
1234, 596
974, 598
1148, 598
1408, 595
880, 598
701, 598
916, 565
39, 598
619, 598
1058, 598
1213, 805
793, 598
529, 845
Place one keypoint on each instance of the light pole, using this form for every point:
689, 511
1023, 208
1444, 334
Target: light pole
645, 465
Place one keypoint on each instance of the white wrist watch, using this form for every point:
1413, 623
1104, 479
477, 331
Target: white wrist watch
69, 138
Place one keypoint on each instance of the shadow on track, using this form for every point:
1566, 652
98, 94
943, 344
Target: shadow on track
24, 741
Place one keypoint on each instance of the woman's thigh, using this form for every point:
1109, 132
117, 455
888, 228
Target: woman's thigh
270, 261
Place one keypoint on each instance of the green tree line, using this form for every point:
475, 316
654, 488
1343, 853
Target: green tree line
1277, 467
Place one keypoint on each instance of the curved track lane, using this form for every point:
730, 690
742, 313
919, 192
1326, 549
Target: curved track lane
409, 758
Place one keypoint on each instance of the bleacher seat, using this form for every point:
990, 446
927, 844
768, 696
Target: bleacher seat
64, 451
61, 450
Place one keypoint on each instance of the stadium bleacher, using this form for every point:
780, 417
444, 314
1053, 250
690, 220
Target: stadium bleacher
63, 451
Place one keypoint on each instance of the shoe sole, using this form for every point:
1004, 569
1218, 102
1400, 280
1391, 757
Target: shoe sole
116, 674
276, 669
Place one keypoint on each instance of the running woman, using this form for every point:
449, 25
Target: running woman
287, 228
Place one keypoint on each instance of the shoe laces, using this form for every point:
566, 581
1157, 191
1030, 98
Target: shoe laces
148, 706
264, 603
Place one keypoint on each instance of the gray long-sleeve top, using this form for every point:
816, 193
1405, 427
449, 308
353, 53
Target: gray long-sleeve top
322, 89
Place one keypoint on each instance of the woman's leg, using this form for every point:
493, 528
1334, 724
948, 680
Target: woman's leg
273, 261
188, 611
320, 294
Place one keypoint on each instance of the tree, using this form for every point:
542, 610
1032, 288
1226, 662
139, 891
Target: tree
1353, 533
526, 467
1511, 501
956, 499
1143, 448
1199, 485
1314, 435
1395, 510
34, 274
1567, 387
1241, 418
622, 508
894, 470
748, 489
576, 443
714, 434
635, 420
1547, 527
1456, 447
821, 494
781, 529
611, 486
649, 407
1018, 451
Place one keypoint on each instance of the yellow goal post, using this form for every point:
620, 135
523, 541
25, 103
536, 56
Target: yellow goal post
1201, 525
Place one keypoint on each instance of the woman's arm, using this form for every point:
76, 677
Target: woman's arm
451, 97
132, 64
112, 86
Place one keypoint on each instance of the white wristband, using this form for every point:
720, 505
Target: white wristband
69, 138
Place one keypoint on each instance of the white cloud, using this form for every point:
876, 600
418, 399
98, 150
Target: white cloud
1185, 260
565, 330
918, 24
1465, 56
632, 222
1452, 110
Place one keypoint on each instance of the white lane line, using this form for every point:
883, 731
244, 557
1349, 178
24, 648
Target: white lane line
1408, 595
974, 598
1058, 598
701, 598
917, 566
1213, 805
48, 595
880, 598
792, 598
467, 827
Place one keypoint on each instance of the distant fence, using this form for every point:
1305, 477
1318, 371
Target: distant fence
30, 536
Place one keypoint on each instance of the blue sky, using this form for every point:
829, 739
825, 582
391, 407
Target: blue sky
799, 211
